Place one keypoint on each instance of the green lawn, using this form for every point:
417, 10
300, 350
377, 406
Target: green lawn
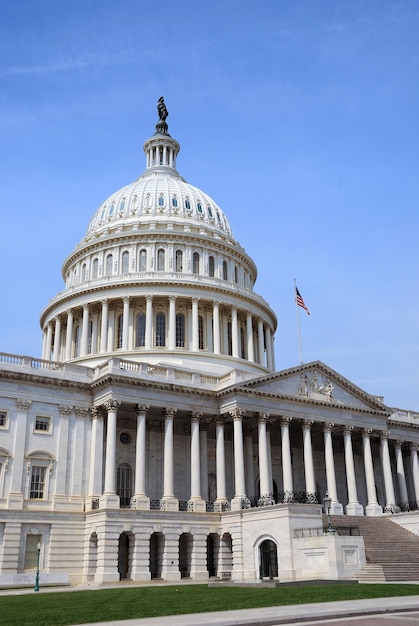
78, 607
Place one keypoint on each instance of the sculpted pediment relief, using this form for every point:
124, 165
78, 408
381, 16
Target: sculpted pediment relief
317, 382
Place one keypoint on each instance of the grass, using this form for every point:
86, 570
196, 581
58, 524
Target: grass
81, 607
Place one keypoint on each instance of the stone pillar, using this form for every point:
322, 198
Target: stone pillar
269, 360
15, 496
248, 451
199, 557
107, 554
335, 508
61, 487
372, 508
265, 486
388, 477
220, 464
84, 330
249, 332
125, 323
170, 565
308, 463
234, 332
142, 501
69, 335
12, 538
168, 501
141, 556
261, 343
109, 499
196, 503
96, 454
149, 322
353, 507
239, 482
104, 327
401, 477
286, 459
268, 443
216, 327
172, 322
415, 470
204, 460
57, 339
195, 326
49, 342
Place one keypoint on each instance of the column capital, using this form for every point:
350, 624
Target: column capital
141, 409
262, 417
85, 306
149, 298
104, 301
367, 432
384, 435
413, 447
348, 429
23, 405
398, 443
64, 410
328, 427
220, 419
69, 312
196, 416
169, 413
172, 298
98, 412
80, 411
307, 424
112, 405
285, 420
126, 299
237, 414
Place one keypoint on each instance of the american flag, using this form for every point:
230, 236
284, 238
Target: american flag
299, 300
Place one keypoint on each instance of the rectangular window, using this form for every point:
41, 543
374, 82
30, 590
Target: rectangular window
31, 551
3, 419
37, 482
42, 424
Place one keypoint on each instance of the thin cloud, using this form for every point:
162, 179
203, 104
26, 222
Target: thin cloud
79, 63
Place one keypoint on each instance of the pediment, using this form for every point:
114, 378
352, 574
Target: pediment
316, 382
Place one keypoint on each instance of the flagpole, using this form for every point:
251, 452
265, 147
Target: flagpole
298, 323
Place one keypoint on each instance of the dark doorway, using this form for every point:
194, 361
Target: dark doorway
123, 556
268, 559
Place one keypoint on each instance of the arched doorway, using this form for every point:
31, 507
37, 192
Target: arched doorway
268, 559
156, 554
123, 556
213, 542
185, 554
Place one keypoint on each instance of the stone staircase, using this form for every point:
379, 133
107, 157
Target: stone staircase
392, 552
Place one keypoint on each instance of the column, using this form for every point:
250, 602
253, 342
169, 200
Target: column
149, 322
195, 335
265, 487
109, 499
204, 459
142, 501
216, 327
261, 343
249, 470
286, 459
168, 501
372, 508
84, 330
49, 342
269, 360
125, 323
220, 464
196, 503
172, 322
388, 478
336, 508
268, 443
62, 473
104, 327
44, 343
69, 335
234, 332
15, 495
57, 339
353, 507
249, 332
401, 477
415, 470
96, 455
311, 497
240, 489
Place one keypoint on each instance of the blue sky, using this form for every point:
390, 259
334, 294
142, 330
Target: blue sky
300, 118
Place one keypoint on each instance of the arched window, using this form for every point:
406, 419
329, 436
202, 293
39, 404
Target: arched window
77, 341
95, 268
211, 266
160, 260
160, 329
108, 267
125, 262
242, 342
83, 272
140, 331
199, 207
120, 325
161, 201
124, 484
236, 276
229, 339
179, 261
187, 205
174, 202
143, 260
180, 330
90, 338
195, 263
225, 272
200, 332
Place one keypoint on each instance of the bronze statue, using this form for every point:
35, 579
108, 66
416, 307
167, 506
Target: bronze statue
161, 109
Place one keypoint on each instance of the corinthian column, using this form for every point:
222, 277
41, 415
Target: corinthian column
240, 489
220, 464
388, 478
168, 501
286, 459
196, 503
308, 462
372, 508
142, 501
401, 477
109, 498
265, 486
336, 508
353, 507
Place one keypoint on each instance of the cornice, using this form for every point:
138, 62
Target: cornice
43, 380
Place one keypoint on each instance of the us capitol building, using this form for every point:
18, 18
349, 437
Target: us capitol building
154, 438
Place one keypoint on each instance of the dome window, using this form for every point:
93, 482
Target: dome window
112, 209
211, 266
195, 263
140, 334
122, 206
210, 212
219, 219
179, 261
108, 267
161, 200
199, 207
102, 214
95, 272
143, 260
160, 260
174, 202
225, 273
125, 262
187, 205
160, 329
180, 330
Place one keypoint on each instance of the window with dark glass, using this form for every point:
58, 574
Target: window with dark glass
125, 262
180, 330
108, 267
211, 266
179, 261
160, 329
225, 271
229, 339
143, 260
42, 424
174, 202
124, 484
95, 268
120, 325
37, 488
140, 334
187, 205
160, 260
200, 332
195, 263
161, 201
